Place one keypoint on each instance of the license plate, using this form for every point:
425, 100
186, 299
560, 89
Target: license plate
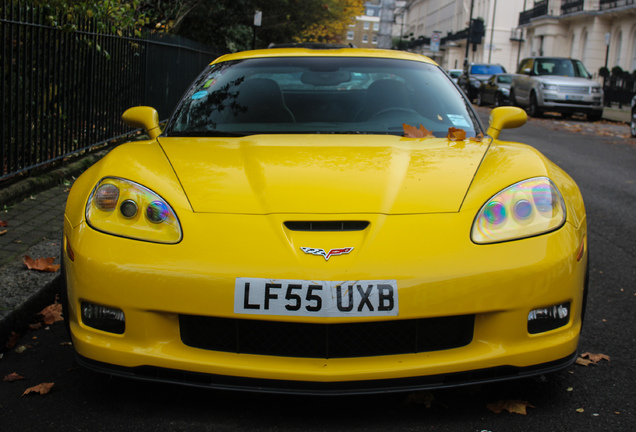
257, 296
573, 97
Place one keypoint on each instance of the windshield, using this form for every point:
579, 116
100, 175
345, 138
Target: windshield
320, 95
504, 79
561, 67
486, 69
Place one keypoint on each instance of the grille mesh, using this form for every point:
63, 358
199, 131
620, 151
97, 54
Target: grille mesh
326, 340
574, 89
326, 225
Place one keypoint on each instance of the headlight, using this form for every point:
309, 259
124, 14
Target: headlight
128, 209
475, 83
595, 90
525, 209
505, 91
545, 86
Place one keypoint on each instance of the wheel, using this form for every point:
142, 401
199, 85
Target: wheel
533, 108
596, 116
566, 115
633, 123
480, 100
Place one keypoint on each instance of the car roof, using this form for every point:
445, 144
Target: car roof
330, 52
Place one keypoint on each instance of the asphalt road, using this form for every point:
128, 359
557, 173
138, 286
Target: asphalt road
599, 397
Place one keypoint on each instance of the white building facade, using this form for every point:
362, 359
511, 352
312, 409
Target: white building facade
418, 19
597, 32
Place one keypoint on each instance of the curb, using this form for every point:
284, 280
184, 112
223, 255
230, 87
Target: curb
19, 318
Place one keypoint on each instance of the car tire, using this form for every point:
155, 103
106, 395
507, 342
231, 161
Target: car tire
480, 100
533, 108
632, 126
595, 116
499, 101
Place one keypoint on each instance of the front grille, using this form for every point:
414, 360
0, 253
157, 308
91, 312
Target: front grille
574, 89
326, 225
286, 339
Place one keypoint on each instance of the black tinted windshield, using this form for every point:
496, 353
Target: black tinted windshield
320, 95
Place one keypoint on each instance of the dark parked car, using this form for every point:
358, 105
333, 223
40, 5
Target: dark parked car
475, 74
495, 91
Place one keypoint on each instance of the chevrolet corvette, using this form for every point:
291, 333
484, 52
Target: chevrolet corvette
324, 221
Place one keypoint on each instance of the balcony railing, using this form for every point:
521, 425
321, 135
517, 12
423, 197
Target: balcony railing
572, 6
540, 9
612, 4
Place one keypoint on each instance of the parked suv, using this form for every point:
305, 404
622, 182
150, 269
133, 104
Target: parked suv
556, 84
476, 73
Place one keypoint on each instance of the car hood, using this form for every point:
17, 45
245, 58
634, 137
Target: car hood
319, 174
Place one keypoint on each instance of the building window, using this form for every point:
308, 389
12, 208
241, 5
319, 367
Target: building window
349, 35
366, 25
376, 26
370, 12
374, 40
365, 39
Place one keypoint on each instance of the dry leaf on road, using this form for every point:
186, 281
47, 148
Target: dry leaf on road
513, 406
592, 358
52, 314
13, 377
42, 389
41, 264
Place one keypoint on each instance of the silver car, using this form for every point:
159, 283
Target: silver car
556, 84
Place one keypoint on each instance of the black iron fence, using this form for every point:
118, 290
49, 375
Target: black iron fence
64, 92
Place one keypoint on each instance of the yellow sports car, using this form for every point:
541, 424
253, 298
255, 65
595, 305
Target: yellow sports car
325, 221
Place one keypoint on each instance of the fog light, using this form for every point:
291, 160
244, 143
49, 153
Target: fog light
550, 318
103, 318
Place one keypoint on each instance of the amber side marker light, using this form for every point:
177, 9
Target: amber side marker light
69, 250
579, 256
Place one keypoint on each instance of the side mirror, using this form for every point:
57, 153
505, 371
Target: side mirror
505, 118
143, 117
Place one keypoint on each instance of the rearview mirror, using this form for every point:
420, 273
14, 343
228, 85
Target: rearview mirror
505, 118
143, 117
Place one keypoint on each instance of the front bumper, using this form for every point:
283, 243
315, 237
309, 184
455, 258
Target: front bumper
567, 102
439, 273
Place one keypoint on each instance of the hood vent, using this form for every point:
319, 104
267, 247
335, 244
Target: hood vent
326, 225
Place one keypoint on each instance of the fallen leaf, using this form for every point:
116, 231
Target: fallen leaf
35, 326
455, 134
13, 377
3, 232
13, 340
413, 132
41, 264
51, 314
478, 138
3, 223
513, 406
583, 362
580, 410
42, 389
595, 358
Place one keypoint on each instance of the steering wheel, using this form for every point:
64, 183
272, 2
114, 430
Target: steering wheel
393, 111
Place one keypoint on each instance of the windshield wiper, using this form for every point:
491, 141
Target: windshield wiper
208, 134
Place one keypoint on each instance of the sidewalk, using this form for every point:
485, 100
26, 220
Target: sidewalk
34, 228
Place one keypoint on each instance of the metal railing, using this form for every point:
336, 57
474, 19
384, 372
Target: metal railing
64, 92
572, 6
612, 4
